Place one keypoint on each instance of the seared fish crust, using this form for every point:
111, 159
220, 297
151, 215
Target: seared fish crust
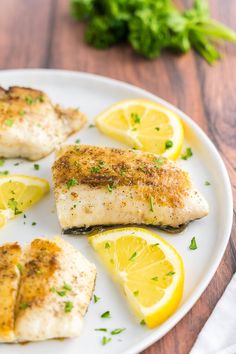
105, 186
31, 126
10, 255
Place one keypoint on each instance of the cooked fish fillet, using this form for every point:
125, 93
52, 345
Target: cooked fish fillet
55, 289
31, 126
10, 254
105, 186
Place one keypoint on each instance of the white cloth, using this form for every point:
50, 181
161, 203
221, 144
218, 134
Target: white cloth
218, 336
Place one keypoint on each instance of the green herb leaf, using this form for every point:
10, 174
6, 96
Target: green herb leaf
170, 273
13, 205
34, 223
168, 144
100, 329
157, 128
29, 100
96, 298
2, 162
77, 141
133, 256
107, 245
72, 182
23, 306
142, 323
36, 166
4, 173
117, 331
188, 153
155, 278
9, 122
106, 314
61, 292
67, 287
136, 118
68, 306
92, 126
105, 340
151, 201
110, 188
193, 244
207, 183
136, 292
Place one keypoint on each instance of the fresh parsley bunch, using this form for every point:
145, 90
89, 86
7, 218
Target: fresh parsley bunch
151, 26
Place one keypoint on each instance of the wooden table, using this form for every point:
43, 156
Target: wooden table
41, 34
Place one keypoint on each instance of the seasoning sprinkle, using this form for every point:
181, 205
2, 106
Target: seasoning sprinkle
72, 182
9, 122
36, 166
170, 273
136, 293
136, 118
142, 323
207, 183
107, 245
23, 306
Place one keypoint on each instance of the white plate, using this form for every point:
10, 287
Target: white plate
92, 94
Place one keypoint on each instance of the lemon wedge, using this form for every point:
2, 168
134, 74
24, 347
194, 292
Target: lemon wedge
143, 125
149, 270
18, 193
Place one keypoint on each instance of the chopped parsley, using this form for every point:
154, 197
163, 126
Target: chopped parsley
72, 182
133, 256
155, 278
188, 153
53, 289
29, 100
19, 266
92, 126
157, 128
9, 122
136, 118
136, 292
110, 188
40, 99
155, 244
36, 166
105, 340
23, 306
100, 329
96, 298
207, 183
77, 141
168, 144
2, 161
193, 244
117, 331
61, 292
34, 223
68, 306
4, 173
159, 162
107, 245
13, 205
97, 169
151, 201
67, 287
16, 164
21, 113
170, 273
122, 172
142, 323
106, 314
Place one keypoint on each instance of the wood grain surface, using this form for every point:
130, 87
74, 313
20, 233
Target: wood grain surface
41, 34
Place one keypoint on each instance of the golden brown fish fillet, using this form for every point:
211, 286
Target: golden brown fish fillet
10, 255
31, 126
56, 286
105, 186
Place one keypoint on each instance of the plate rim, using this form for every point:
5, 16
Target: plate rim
157, 334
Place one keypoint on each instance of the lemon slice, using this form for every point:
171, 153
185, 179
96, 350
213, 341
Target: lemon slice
144, 125
18, 193
149, 270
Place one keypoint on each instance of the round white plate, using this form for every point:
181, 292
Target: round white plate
93, 94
